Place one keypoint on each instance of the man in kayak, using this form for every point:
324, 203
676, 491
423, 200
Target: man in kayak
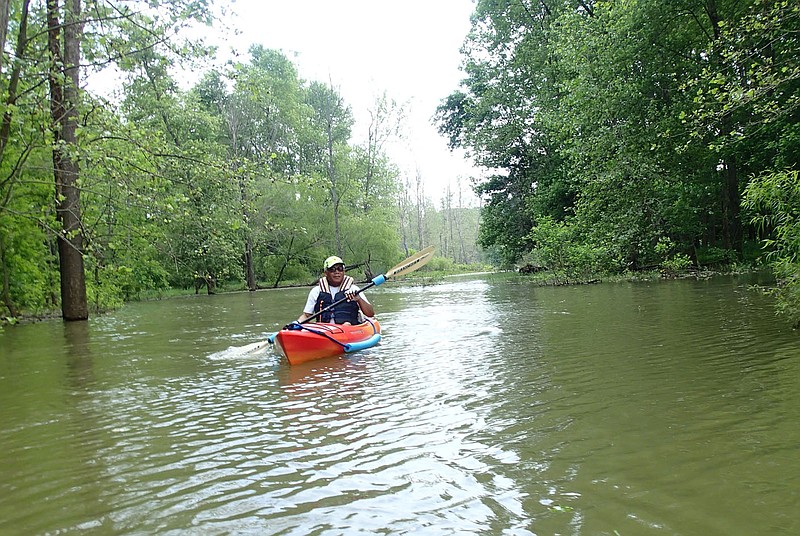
332, 287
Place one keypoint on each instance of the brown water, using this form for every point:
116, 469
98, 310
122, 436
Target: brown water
490, 407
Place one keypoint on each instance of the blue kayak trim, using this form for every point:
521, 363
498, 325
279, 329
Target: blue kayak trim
356, 346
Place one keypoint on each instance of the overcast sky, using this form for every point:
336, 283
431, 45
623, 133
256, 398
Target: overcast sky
408, 48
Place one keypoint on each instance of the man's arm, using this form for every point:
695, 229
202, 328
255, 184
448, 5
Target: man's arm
362, 302
308, 308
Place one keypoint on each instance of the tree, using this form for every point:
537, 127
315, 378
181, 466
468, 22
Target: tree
404, 209
4, 12
386, 118
264, 117
503, 117
81, 137
612, 117
64, 100
333, 118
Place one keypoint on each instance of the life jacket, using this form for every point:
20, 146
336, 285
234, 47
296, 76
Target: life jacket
347, 311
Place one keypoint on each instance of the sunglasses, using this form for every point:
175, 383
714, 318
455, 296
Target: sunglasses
338, 268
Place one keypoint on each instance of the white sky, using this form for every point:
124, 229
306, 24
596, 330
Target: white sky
408, 48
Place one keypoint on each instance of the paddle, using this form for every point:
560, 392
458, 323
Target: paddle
412, 263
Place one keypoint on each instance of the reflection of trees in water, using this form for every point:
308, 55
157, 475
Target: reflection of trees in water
85, 438
80, 373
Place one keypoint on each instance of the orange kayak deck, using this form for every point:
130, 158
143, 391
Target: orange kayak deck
319, 340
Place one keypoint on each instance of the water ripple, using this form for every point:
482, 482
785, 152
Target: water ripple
486, 409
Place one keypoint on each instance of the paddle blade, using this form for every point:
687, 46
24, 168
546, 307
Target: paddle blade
412, 263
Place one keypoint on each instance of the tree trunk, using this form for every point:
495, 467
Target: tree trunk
731, 225
403, 209
333, 190
250, 271
247, 258
450, 218
4, 4
420, 210
249, 267
461, 247
731, 200
64, 83
7, 301
287, 258
13, 81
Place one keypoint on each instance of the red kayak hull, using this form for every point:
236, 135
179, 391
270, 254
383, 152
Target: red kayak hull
319, 340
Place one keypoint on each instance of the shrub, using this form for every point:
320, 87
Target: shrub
774, 202
559, 248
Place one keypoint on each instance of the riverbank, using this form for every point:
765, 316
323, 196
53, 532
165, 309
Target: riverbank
433, 277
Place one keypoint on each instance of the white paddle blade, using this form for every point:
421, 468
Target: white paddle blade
412, 263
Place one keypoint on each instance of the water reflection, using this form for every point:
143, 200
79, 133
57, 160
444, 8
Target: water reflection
79, 356
87, 437
489, 407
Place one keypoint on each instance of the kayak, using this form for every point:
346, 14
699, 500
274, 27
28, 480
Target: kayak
305, 342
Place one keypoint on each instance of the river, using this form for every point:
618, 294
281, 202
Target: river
492, 406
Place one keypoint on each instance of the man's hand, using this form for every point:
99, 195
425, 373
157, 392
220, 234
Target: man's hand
363, 304
351, 295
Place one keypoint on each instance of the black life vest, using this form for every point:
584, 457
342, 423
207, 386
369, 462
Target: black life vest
347, 311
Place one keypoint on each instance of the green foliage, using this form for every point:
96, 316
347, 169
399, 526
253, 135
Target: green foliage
558, 249
672, 262
27, 245
774, 201
715, 257
622, 134
787, 293
250, 175
102, 292
372, 241
750, 83
294, 273
29, 265
506, 219
440, 264
677, 263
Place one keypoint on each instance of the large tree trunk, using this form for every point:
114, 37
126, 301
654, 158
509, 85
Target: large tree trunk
64, 80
